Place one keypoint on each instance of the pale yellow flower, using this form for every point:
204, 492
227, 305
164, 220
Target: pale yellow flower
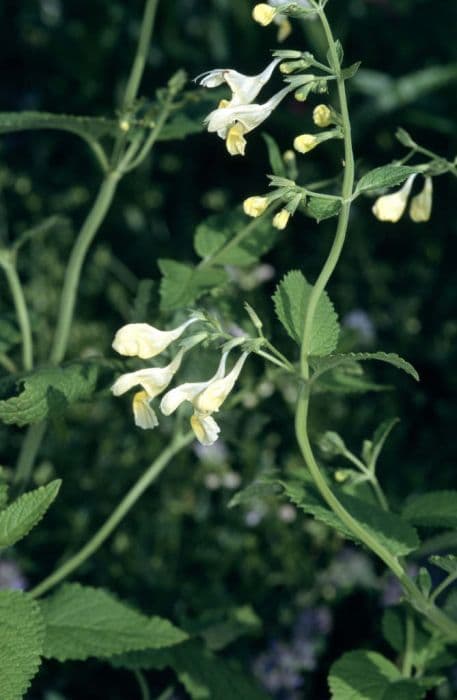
255, 206
421, 205
284, 28
235, 141
145, 341
305, 143
263, 14
245, 88
281, 219
322, 116
391, 207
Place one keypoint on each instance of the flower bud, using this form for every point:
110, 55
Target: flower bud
255, 206
305, 143
322, 116
331, 444
281, 219
421, 205
263, 14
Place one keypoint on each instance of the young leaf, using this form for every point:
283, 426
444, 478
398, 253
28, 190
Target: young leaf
22, 515
380, 436
386, 176
274, 156
220, 230
321, 208
83, 622
395, 534
350, 71
22, 633
329, 363
202, 673
46, 391
291, 302
366, 675
183, 284
447, 563
433, 509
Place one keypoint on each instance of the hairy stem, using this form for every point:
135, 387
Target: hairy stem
116, 516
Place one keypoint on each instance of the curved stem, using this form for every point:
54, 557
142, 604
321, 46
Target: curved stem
407, 666
22, 313
443, 585
116, 516
143, 686
141, 56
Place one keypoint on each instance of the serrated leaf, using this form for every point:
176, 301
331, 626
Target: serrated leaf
366, 675
329, 363
231, 240
274, 156
345, 380
433, 509
204, 675
183, 284
447, 563
383, 177
320, 208
17, 519
86, 127
46, 391
82, 622
22, 632
389, 529
291, 302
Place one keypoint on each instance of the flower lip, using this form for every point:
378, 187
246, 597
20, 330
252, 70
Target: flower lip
245, 88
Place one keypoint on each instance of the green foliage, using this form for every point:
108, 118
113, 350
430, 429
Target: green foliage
385, 176
183, 284
9, 335
22, 515
291, 303
366, 675
395, 534
321, 208
379, 438
204, 675
44, 392
179, 127
22, 633
321, 366
274, 156
82, 622
447, 563
231, 239
432, 509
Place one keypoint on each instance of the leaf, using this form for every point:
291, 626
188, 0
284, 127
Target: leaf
447, 563
260, 488
366, 675
46, 391
22, 633
183, 284
9, 335
291, 301
321, 208
17, 519
433, 509
346, 379
223, 629
383, 177
380, 436
82, 622
204, 675
389, 529
219, 230
393, 629
89, 128
274, 156
390, 358
179, 127
350, 71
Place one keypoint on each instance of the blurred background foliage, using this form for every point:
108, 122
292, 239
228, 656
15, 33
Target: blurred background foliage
182, 553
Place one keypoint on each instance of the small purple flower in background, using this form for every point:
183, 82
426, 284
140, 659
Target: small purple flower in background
359, 321
391, 590
350, 568
11, 576
213, 454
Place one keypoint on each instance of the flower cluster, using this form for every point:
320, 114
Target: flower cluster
391, 207
144, 341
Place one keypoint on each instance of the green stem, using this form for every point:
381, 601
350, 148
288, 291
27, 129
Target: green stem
144, 690
116, 516
443, 585
407, 666
78, 254
152, 138
28, 452
446, 625
22, 313
141, 56
7, 363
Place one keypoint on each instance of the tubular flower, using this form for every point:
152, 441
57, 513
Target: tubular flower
145, 341
305, 143
187, 392
322, 116
263, 14
244, 117
245, 88
421, 205
255, 206
391, 207
152, 381
281, 219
